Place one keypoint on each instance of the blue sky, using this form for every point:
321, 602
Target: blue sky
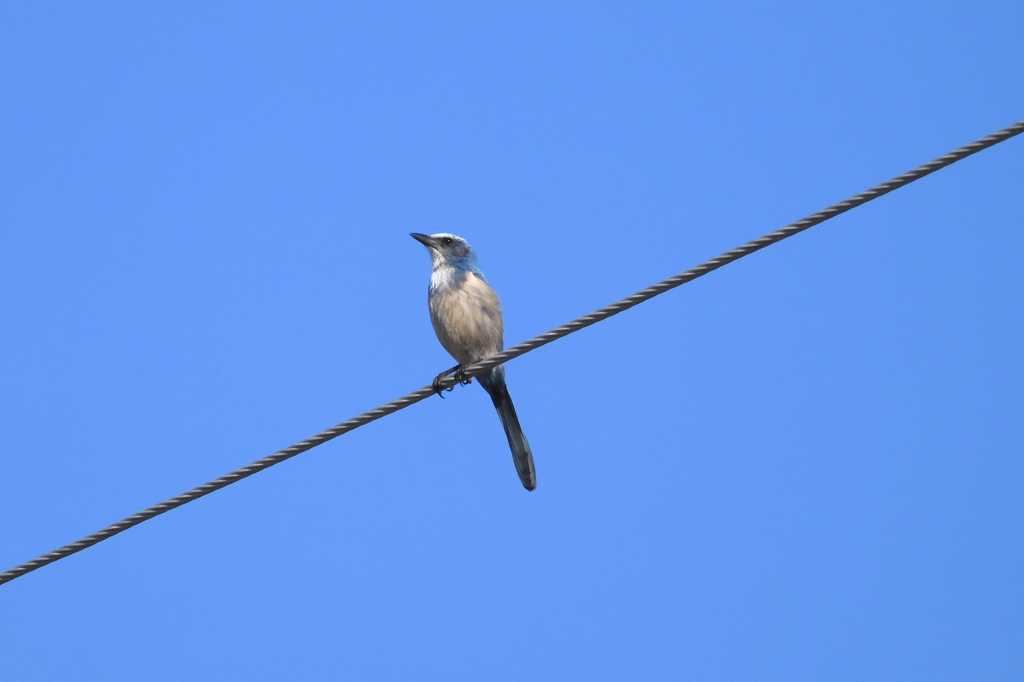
807, 465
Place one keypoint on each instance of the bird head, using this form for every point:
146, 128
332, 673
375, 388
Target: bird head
447, 249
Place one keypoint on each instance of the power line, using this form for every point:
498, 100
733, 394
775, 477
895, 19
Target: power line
520, 349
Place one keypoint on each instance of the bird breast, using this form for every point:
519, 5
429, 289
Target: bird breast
466, 315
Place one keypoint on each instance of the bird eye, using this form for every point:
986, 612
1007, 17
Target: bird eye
448, 241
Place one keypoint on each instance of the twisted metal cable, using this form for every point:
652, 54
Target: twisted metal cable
744, 250
517, 350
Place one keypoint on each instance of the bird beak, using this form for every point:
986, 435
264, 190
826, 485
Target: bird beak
424, 239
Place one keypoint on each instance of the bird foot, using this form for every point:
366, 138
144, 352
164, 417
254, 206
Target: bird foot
457, 371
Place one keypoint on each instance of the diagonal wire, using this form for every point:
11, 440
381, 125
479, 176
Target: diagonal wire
516, 351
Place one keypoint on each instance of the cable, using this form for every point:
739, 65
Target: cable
517, 350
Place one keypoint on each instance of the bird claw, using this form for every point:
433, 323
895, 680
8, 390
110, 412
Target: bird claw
438, 389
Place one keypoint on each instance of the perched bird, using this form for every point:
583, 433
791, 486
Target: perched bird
466, 315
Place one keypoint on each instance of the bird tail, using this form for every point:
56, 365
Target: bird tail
494, 384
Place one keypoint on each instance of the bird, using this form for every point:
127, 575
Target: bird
466, 315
